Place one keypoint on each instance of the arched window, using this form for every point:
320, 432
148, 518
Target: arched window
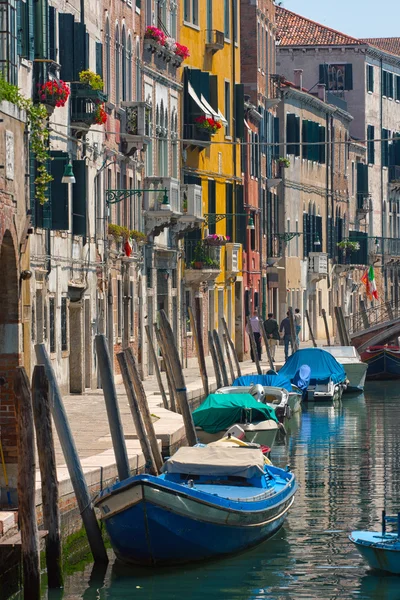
123, 62
117, 66
108, 57
129, 67
138, 72
174, 142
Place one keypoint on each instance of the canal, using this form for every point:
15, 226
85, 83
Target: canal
347, 463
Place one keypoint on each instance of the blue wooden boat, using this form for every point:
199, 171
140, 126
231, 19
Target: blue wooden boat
380, 550
383, 362
209, 501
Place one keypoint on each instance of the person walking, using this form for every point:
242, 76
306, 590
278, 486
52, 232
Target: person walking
272, 330
297, 323
255, 325
286, 334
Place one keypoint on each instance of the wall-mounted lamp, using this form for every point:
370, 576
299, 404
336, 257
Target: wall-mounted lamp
68, 176
250, 223
317, 242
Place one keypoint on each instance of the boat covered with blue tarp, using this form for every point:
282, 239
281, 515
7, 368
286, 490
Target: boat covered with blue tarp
323, 366
276, 380
208, 502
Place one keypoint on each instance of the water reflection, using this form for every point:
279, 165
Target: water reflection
346, 459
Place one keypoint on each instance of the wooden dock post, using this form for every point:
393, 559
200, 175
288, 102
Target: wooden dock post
26, 486
364, 315
178, 380
310, 328
232, 345
112, 407
346, 337
173, 398
72, 460
293, 331
144, 407
200, 352
220, 357
136, 414
228, 356
267, 348
328, 339
48, 475
253, 345
156, 367
213, 353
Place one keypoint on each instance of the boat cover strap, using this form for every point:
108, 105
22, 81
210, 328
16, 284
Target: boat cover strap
217, 461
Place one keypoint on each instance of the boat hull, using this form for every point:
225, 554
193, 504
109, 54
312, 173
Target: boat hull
154, 525
380, 555
383, 363
263, 433
356, 375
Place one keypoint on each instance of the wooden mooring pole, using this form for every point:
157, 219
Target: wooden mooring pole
220, 357
72, 460
213, 353
136, 414
232, 345
48, 475
328, 339
26, 486
112, 407
228, 356
156, 367
310, 329
267, 348
199, 351
178, 379
293, 330
253, 345
144, 407
173, 398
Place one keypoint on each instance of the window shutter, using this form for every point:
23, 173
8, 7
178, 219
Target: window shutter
241, 225
59, 193
239, 110
291, 124
79, 204
319, 233
20, 28
212, 206
213, 83
384, 83
99, 59
305, 234
276, 138
305, 139
66, 36
348, 77
323, 74
36, 209
315, 139
30, 30
322, 148
385, 148
52, 33
229, 209
41, 29
360, 257
371, 144
46, 207
80, 52
371, 78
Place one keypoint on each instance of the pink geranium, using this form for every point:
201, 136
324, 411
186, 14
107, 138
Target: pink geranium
182, 51
153, 33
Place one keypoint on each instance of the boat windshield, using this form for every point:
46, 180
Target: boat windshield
341, 351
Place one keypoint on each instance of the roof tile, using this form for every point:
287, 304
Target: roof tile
391, 45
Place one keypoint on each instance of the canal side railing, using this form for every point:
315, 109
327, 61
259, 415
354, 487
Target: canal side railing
375, 315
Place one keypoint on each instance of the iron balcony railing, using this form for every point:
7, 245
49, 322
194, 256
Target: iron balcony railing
199, 255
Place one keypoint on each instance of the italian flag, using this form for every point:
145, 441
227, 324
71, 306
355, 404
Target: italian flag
368, 279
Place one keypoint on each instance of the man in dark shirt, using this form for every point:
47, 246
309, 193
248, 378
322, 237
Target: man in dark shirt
286, 334
272, 330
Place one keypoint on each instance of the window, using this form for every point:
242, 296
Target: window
371, 144
119, 308
235, 20
117, 66
108, 58
149, 13
385, 147
397, 88
174, 138
293, 134
129, 69
138, 72
227, 20
337, 77
52, 316
387, 84
8, 41
228, 107
64, 326
123, 63
370, 78
132, 310
191, 12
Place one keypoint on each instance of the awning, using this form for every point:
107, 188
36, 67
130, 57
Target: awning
195, 97
209, 107
247, 125
223, 120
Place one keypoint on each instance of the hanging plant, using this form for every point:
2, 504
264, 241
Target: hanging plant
119, 232
209, 124
36, 115
182, 51
349, 246
100, 115
91, 79
55, 93
284, 162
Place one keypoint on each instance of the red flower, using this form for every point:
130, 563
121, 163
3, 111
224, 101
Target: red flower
209, 124
100, 115
57, 91
182, 51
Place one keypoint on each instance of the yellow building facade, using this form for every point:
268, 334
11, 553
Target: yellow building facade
212, 90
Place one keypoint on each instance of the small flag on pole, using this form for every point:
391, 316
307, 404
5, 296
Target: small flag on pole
368, 279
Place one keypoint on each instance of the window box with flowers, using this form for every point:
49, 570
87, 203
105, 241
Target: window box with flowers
347, 246
216, 240
53, 94
167, 47
208, 124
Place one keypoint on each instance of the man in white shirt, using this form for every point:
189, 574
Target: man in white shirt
297, 324
255, 325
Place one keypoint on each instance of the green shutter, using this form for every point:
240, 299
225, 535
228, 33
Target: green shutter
359, 257
348, 77
20, 28
319, 232
323, 74
371, 144
41, 29
229, 209
241, 225
239, 110
276, 138
322, 147
52, 34
291, 134
59, 193
47, 207
80, 44
213, 82
66, 41
99, 59
25, 29
30, 30
79, 200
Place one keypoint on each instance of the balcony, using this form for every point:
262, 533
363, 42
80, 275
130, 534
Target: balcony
394, 175
363, 203
135, 127
233, 259
388, 247
274, 249
158, 214
317, 265
84, 101
202, 262
215, 40
192, 203
194, 137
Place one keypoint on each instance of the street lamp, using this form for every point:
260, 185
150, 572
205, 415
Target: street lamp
376, 243
165, 205
250, 223
317, 242
68, 176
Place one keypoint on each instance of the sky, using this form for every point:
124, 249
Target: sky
358, 18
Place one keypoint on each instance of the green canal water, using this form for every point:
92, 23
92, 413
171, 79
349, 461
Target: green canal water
347, 463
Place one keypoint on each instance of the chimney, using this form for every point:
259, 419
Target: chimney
298, 78
322, 91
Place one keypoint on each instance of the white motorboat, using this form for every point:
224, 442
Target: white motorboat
283, 402
356, 370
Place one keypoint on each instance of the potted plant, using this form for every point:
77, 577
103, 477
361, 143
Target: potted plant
100, 115
184, 205
216, 240
154, 34
91, 80
284, 162
54, 94
349, 246
208, 124
199, 256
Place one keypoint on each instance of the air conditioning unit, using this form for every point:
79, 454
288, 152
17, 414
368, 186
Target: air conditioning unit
192, 200
318, 263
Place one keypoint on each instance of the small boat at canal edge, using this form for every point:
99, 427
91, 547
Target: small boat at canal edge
208, 502
356, 370
383, 362
380, 550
